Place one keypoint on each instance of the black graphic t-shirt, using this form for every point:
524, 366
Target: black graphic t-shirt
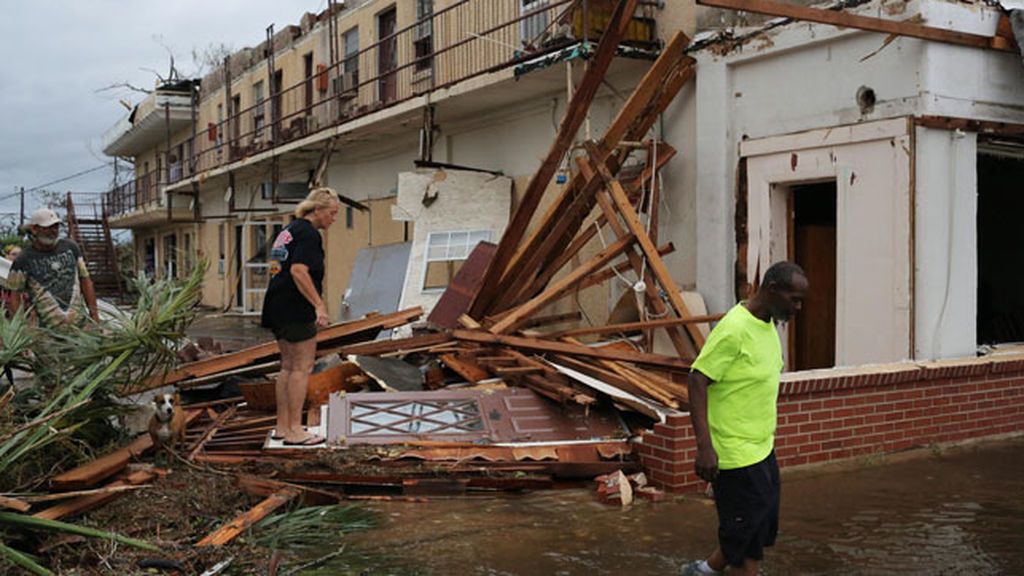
299, 243
52, 280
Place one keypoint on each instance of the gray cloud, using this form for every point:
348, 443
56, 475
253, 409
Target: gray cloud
58, 53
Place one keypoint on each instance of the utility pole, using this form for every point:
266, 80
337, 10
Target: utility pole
21, 222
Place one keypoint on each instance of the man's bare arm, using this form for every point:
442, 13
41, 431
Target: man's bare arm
706, 464
89, 292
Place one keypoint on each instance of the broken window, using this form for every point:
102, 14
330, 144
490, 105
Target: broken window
423, 45
446, 253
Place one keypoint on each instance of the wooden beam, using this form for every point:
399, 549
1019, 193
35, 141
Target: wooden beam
465, 366
634, 326
540, 345
233, 529
94, 472
517, 317
576, 113
969, 125
84, 503
620, 268
210, 430
653, 297
378, 347
334, 335
654, 261
633, 120
869, 23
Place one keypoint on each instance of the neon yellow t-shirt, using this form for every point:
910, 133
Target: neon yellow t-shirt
743, 358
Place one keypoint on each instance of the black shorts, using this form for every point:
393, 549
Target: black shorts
295, 332
747, 500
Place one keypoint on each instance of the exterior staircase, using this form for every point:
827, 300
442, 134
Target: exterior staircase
93, 236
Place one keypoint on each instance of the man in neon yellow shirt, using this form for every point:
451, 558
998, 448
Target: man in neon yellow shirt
734, 386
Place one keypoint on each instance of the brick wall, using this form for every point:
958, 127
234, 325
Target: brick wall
836, 414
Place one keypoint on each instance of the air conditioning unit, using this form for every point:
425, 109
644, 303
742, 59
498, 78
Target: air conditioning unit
312, 123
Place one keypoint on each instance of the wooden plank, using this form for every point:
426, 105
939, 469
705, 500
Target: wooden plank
575, 114
265, 487
233, 529
84, 503
654, 92
330, 336
654, 261
635, 326
464, 366
653, 295
14, 504
869, 23
94, 472
539, 345
637, 382
210, 430
969, 125
608, 274
385, 346
518, 316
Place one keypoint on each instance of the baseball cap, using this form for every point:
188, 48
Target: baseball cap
44, 218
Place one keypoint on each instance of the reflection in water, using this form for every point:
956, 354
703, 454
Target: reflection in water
958, 513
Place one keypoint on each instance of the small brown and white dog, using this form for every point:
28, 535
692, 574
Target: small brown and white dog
167, 426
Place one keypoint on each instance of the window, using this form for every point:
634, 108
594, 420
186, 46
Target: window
221, 248
446, 252
423, 45
170, 256
533, 28
307, 61
189, 259
349, 217
258, 118
350, 79
220, 125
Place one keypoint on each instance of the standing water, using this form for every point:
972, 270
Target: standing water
957, 512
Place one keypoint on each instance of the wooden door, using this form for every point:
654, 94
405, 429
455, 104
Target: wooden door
813, 247
387, 56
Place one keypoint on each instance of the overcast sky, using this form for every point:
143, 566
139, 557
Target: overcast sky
57, 54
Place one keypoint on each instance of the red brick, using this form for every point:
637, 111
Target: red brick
797, 418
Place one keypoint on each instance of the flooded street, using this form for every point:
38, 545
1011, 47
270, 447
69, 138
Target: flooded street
957, 512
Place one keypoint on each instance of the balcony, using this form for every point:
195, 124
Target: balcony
141, 202
467, 39
169, 108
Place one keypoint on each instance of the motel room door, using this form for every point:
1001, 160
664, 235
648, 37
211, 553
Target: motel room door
838, 202
255, 240
387, 55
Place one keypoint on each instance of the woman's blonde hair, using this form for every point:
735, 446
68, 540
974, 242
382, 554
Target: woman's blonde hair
317, 198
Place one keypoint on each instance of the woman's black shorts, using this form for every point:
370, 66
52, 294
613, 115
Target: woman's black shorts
747, 500
294, 332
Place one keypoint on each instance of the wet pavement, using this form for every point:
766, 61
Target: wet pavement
960, 511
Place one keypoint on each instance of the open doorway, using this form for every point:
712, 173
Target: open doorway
812, 245
1000, 315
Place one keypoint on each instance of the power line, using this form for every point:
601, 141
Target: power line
66, 178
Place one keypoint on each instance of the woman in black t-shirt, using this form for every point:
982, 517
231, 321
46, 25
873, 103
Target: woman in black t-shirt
293, 309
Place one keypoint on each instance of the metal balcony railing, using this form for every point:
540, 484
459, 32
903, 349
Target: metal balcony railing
466, 39
140, 192
443, 48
